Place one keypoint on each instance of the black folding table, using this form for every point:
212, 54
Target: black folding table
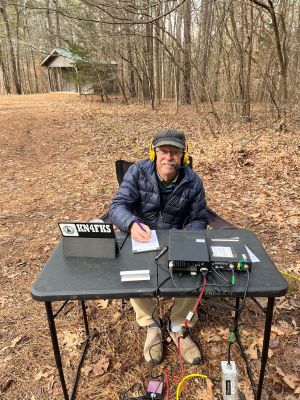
64, 279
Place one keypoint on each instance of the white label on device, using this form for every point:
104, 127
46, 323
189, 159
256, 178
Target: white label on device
220, 251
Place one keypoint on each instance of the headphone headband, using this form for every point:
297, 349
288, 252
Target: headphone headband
185, 157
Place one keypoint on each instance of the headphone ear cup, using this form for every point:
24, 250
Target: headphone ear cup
186, 159
151, 151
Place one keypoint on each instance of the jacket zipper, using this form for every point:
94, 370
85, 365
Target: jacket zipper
156, 186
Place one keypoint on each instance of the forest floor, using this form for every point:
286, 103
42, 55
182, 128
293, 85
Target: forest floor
57, 157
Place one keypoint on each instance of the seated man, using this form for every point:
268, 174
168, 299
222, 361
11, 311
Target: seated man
162, 193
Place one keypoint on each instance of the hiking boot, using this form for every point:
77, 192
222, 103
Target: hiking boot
189, 350
153, 349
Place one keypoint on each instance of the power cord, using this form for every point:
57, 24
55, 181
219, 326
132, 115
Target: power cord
236, 322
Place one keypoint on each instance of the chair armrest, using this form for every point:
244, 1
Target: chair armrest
216, 222
105, 217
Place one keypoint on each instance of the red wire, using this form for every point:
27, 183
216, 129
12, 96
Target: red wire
200, 296
166, 371
195, 309
174, 379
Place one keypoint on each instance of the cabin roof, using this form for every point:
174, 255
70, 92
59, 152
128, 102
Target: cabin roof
64, 58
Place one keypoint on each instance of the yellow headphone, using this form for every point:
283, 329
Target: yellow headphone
185, 158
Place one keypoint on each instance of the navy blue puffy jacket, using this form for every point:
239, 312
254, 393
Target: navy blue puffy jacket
138, 196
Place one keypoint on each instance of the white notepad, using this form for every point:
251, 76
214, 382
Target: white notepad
152, 245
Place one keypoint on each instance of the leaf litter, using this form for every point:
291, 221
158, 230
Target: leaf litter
59, 166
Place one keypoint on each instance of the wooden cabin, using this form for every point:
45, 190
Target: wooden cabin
69, 72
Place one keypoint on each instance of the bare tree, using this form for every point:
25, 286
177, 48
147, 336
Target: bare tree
282, 53
15, 83
186, 99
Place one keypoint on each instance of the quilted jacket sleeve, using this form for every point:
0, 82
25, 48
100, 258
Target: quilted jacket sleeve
122, 207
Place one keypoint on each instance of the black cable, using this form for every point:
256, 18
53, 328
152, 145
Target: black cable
229, 308
220, 275
219, 281
198, 287
236, 323
159, 326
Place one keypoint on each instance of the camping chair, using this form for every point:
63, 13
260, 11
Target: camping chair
214, 220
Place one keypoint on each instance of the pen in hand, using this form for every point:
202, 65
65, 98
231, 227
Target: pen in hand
139, 231
138, 221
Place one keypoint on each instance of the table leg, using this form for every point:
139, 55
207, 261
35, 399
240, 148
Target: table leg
265, 349
56, 350
86, 325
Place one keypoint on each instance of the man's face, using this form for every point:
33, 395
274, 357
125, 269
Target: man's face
167, 159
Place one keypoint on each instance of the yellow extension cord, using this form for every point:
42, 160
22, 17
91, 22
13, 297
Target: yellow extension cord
184, 379
290, 275
205, 376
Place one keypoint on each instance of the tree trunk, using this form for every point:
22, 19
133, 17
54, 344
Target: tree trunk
186, 98
3, 75
177, 57
156, 62
130, 78
204, 47
149, 58
282, 54
244, 70
15, 84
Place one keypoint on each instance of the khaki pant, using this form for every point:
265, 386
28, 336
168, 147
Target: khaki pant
147, 313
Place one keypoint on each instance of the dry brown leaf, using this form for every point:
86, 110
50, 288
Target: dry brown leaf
213, 338
117, 365
184, 387
209, 389
291, 380
101, 366
41, 375
2, 301
278, 330
102, 303
116, 316
6, 385
86, 369
4, 361
71, 339
13, 343
57, 389
223, 332
252, 351
274, 343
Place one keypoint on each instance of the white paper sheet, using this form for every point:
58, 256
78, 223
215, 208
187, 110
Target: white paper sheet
152, 245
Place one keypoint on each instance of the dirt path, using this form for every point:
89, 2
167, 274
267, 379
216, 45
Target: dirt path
57, 155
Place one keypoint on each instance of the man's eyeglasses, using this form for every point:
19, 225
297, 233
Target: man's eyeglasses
171, 152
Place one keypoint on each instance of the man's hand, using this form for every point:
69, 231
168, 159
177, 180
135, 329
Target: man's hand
140, 235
